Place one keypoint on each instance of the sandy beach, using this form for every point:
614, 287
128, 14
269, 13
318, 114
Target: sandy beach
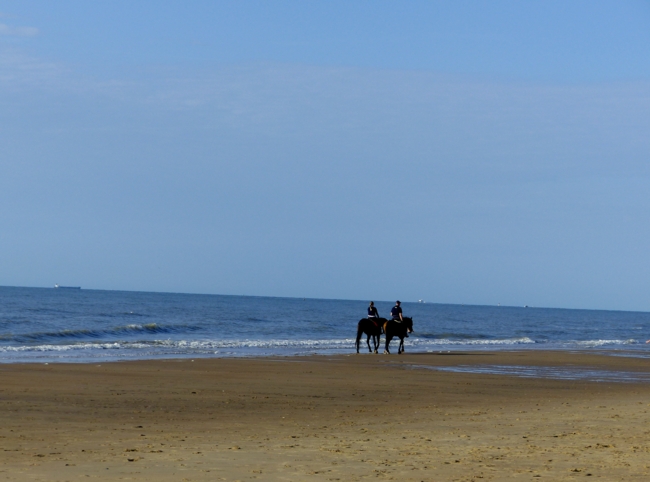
323, 418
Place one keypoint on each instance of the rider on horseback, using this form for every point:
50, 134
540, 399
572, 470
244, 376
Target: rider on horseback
396, 312
373, 326
373, 315
372, 310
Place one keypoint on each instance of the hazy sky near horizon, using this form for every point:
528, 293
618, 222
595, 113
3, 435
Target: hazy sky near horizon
476, 152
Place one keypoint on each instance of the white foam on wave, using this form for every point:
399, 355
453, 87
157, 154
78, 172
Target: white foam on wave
184, 344
254, 347
445, 341
72, 347
595, 343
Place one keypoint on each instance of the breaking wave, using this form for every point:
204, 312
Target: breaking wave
126, 330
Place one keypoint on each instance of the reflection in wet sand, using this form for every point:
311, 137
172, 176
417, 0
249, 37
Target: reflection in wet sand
558, 373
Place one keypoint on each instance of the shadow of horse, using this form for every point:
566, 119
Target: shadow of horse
401, 330
371, 327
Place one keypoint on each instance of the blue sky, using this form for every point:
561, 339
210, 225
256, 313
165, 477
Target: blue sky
457, 152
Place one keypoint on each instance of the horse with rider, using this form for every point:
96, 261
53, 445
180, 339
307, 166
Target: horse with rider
398, 326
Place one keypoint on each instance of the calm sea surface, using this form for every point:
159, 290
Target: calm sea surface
49, 325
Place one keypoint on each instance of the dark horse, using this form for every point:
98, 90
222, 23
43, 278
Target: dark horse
401, 330
371, 327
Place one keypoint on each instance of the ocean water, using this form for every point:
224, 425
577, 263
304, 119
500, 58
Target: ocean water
62, 325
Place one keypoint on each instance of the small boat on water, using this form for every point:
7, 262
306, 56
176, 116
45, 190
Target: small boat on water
67, 287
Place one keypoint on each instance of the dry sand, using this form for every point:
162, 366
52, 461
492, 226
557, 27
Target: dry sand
322, 418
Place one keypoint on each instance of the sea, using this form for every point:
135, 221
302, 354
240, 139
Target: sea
47, 325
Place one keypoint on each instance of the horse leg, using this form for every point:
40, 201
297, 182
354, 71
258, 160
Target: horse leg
388, 339
400, 349
376, 340
368, 342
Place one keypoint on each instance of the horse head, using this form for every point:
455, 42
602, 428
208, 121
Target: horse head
409, 324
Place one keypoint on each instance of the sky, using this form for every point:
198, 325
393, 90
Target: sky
477, 152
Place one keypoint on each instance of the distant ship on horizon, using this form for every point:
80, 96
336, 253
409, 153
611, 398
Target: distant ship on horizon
68, 287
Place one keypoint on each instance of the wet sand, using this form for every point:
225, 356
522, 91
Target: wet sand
323, 418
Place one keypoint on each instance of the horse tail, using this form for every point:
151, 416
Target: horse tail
359, 333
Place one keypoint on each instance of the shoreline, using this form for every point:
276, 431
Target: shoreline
342, 417
634, 354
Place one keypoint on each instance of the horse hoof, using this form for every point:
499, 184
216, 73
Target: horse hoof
386, 352
376, 352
